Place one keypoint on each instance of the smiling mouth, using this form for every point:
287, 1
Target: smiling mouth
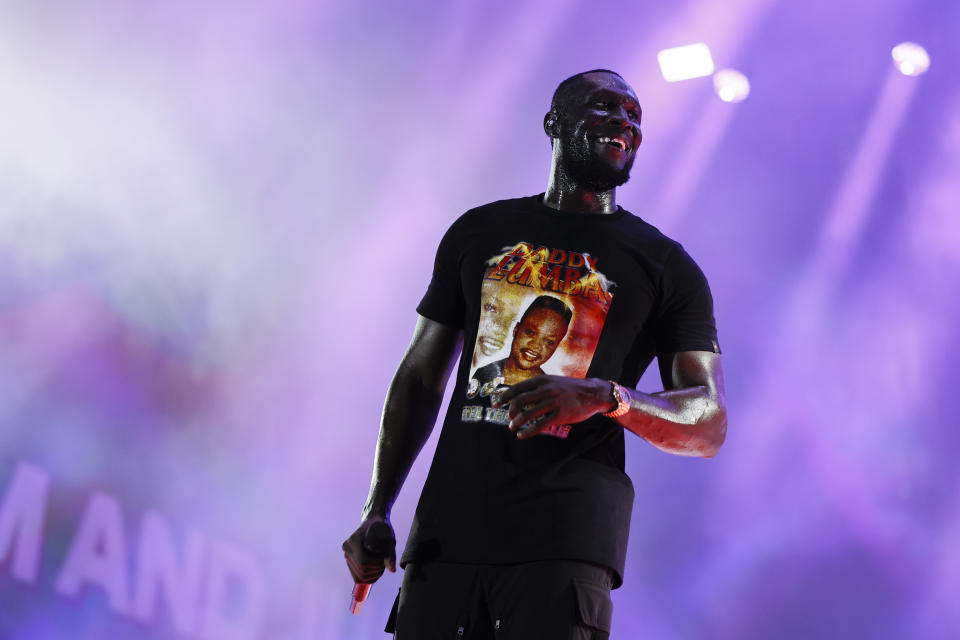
489, 344
530, 355
616, 141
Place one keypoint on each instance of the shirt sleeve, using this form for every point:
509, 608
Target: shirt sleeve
444, 301
685, 321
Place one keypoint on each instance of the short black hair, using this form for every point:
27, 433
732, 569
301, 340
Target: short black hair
551, 303
568, 87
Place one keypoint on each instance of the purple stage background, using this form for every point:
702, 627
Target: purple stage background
216, 220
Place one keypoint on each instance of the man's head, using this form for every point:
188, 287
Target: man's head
499, 306
539, 332
594, 124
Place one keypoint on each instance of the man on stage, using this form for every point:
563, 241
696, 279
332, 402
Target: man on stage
521, 529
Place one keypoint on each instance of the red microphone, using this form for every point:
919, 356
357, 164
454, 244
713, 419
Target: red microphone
360, 592
377, 541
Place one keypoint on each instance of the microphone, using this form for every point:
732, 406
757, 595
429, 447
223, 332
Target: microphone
377, 541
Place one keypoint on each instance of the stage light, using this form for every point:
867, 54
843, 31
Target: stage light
683, 63
911, 59
731, 85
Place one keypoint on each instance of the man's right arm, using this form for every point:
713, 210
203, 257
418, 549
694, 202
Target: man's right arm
409, 413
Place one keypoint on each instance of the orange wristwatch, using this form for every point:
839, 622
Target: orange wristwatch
622, 398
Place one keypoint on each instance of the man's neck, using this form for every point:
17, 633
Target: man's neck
565, 194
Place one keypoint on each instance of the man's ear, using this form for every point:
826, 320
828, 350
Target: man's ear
551, 124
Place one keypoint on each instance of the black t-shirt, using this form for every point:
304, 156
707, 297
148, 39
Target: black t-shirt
536, 290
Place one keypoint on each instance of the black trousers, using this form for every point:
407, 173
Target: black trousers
545, 600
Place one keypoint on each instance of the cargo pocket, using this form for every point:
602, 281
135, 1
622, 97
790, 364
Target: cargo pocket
595, 610
392, 620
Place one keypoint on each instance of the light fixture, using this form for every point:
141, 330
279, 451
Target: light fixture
731, 85
683, 63
911, 59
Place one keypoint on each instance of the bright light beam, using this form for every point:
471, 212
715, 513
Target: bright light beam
849, 211
689, 164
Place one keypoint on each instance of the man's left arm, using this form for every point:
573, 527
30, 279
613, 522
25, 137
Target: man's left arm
688, 418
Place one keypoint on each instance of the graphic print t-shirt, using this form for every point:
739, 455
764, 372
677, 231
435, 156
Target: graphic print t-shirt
541, 311
539, 291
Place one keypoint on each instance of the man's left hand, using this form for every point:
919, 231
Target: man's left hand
545, 400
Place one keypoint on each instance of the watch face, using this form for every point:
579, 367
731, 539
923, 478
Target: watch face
621, 397
616, 394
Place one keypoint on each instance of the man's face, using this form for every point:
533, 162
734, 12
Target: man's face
600, 132
536, 337
498, 311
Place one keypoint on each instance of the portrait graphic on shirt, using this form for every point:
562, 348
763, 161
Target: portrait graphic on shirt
541, 312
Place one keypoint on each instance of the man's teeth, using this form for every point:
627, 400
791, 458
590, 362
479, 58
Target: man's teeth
617, 141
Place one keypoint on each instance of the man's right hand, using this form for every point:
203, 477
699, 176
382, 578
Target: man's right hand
369, 553
409, 413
